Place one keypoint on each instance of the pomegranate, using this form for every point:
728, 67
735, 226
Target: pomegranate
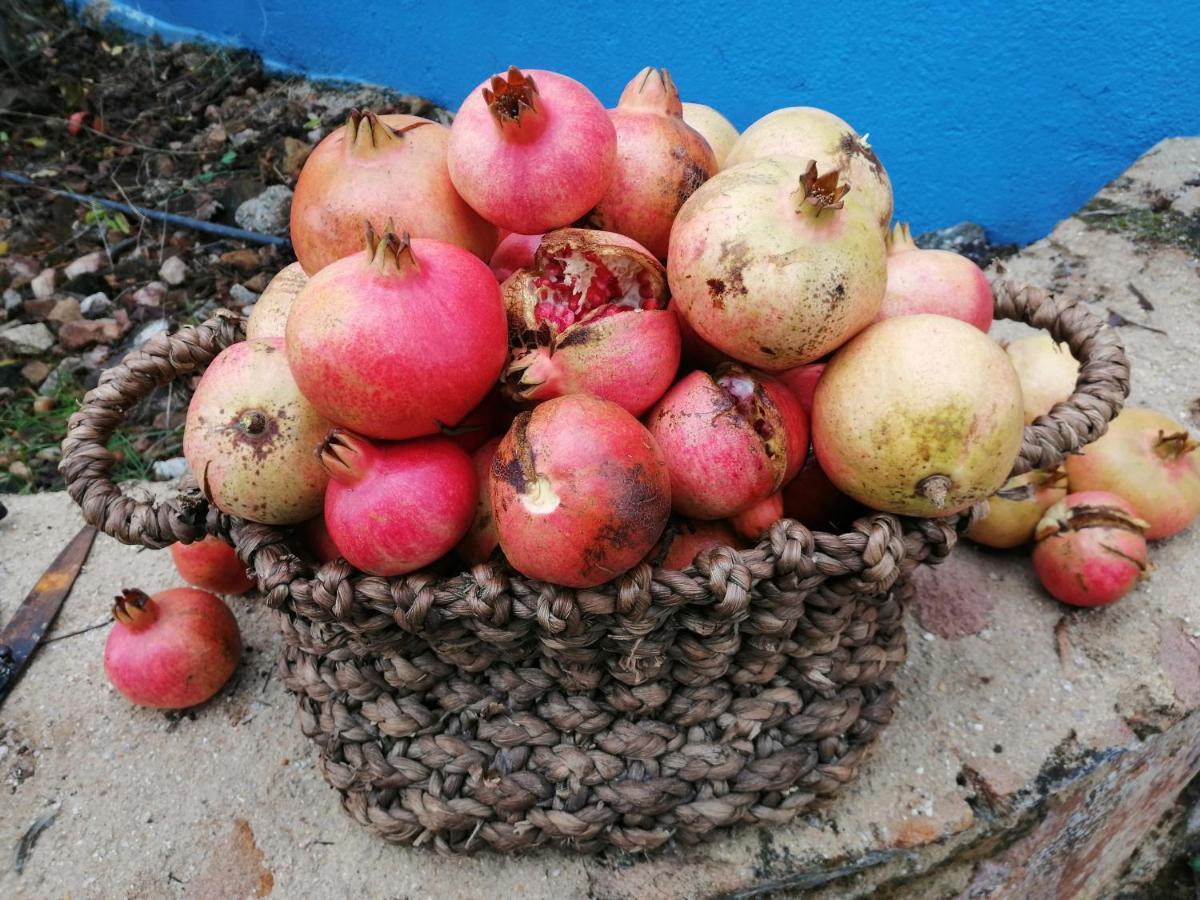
815, 502
580, 492
683, 543
694, 351
481, 539
1090, 549
375, 169
514, 252
250, 436
661, 160
269, 316
1015, 510
1149, 459
751, 523
934, 281
315, 537
1047, 370
774, 265
589, 316
400, 340
393, 508
918, 415
802, 382
713, 127
213, 565
531, 151
489, 419
730, 439
809, 133
173, 650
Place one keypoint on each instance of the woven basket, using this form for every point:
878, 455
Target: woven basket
488, 710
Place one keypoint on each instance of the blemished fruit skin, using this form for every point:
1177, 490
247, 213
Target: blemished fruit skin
918, 415
713, 127
251, 436
213, 565
379, 169
1047, 370
1011, 520
398, 341
775, 264
394, 508
810, 133
934, 281
532, 151
1091, 549
1149, 459
580, 492
269, 316
173, 650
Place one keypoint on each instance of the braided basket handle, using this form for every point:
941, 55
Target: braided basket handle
1100, 389
87, 463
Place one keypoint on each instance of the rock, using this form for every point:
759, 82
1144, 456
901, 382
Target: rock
85, 332
96, 306
151, 294
153, 328
258, 283
967, 239
244, 137
295, 152
38, 309
20, 470
90, 262
1186, 204
23, 269
242, 296
12, 299
49, 454
69, 368
170, 469
268, 212
26, 340
35, 371
244, 259
43, 285
217, 134
314, 136
173, 270
65, 310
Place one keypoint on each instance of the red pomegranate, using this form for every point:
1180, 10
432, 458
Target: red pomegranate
213, 565
481, 539
532, 151
398, 341
687, 540
380, 168
580, 492
934, 281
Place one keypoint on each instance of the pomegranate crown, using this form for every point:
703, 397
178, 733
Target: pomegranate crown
390, 253
654, 91
367, 131
899, 239
821, 191
343, 455
1175, 446
134, 608
511, 96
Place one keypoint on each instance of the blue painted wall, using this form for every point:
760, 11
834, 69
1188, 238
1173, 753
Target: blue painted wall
1010, 114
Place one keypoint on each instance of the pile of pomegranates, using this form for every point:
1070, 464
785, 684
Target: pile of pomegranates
580, 339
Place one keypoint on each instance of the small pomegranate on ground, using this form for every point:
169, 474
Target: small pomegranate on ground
589, 316
251, 436
661, 161
375, 169
1090, 549
1149, 459
269, 316
399, 340
934, 281
919, 415
810, 133
1015, 510
213, 565
394, 508
173, 650
713, 127
481, 539
580, 492
775, 264
532, 151
687, 539
730, 440
1047, 370
753, 522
